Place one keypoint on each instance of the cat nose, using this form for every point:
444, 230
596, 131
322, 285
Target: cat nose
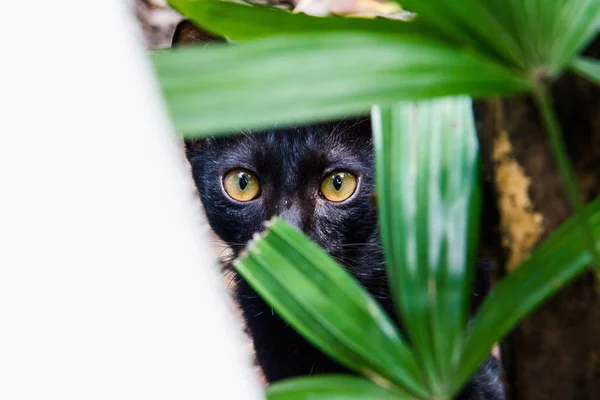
292, 216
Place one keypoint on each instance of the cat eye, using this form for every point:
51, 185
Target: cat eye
338, 186
241, 185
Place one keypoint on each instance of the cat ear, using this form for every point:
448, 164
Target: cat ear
188, 33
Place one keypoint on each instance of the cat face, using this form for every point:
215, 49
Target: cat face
318, 178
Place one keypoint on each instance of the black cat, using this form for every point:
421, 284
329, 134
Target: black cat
319, 178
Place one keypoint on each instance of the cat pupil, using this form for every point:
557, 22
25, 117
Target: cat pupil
243, 182
337, 182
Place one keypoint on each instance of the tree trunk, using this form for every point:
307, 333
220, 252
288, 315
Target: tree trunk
555, 352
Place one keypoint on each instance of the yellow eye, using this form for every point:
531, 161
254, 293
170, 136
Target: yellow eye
241, 185
338, 186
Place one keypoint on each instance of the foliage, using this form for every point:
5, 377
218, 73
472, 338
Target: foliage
286, 68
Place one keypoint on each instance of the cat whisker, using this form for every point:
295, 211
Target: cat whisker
338, 124
345, 258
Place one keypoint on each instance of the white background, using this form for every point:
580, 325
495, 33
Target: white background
108, 289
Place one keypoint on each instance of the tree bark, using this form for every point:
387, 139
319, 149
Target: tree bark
555, 352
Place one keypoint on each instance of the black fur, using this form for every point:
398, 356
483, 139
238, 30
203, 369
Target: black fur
290, 164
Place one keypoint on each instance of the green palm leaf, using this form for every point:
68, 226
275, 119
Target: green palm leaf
428, 211
298, 78
557, 261
588, 68
550, 33
324, 303
469, 23
331, 387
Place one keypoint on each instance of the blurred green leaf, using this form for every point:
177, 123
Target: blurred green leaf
561, 155
240, 21
331, 387
298, 78
536, 36
588, 68
469, 23
428, 196
558, 260
327, 305
549, 33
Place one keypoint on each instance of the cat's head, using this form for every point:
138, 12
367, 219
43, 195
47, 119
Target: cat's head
319, 178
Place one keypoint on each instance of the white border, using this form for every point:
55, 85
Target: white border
108, 288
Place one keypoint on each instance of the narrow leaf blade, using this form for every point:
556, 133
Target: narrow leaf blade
549, 33
428, 197
469, 23
558, 260
331, 387
291, 79
588, 68
539, 37
325, 304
